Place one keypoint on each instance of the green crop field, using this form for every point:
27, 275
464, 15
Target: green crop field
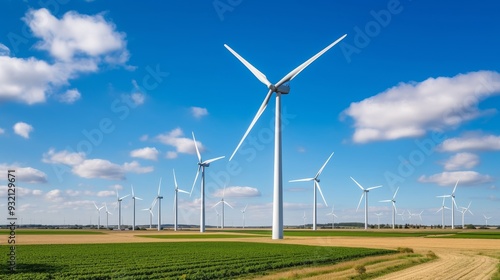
196, 236
52, 232
475, 234
179, 260
351, 233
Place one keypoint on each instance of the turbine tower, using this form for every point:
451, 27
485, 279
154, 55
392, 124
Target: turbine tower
453, 203
134, 198
463, 211
364, 194
442, 209
394, 210
333, 216
281, 87
316, 180
378, 219
107, 215
177, 190
486, 220
201, 166
98, 215
217, 221
150, 209
158, 199
119, 200
304, 219
222, 201
243, 213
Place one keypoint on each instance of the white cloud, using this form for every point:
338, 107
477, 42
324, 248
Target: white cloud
238, 191
145, 153
199, 112
144, 137
135, 167
99, 168
450, 178
70, 96
25, 174
23, 129
2, 131
471, 142
20, 191
182, 144
54, 196
76, 35
73, 193
411, 109
138, 98
4, 50
171, 155
106, 193
461, 161
63, 157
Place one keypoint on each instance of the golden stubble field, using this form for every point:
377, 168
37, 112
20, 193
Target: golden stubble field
458, 258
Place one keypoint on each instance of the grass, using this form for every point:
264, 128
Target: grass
195, 236
473, 234
350, 233
52, 232
179, 260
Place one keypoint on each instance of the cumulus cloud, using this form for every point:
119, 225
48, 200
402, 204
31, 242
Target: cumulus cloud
106, 193
54, 195
63, 157
20, 191
461, 161
70, 96
412, 109
25, 174
237, 191
4, 50
198, 112
471, 142
150, 153
450, 178
135, 167
99, 168
181, 144
23, 129
2, 131
171, 155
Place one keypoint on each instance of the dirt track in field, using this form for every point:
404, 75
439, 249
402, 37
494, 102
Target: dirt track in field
458, 258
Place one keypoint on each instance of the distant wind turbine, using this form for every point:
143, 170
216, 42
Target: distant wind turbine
134, 198
150, 209
442, 208
486, 220
243, 213
158, 199
98, 215
364, 194
453, 203
217, 221
107, 215
333, 216
176, 191
463, 211
281, 87
222, 201
394, 210
304, 219
119, 200
201, 166
378, 219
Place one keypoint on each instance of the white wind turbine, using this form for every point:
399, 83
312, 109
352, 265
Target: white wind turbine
150, 209
281, 87
201, 166
463, 211
442, 208
402, 214
394, 210
98, 215
486, 220
222, 201
419, 215
107, 215
364, 194
243, 213
304, 219
134, 198
119, 201
158, 199
378, 219
217, 221
177, 190
453, 203
316, 180
333, 216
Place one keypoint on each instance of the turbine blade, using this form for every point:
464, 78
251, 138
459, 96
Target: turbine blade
360, 199
217, 203
257, 116
372, 188
133, 195
394, 196
182, 191
387, 200
95, 205
302, 180
213, 159
439, 210
159, 187
138, 198
301, 67
358, 184
259, 75
453, 199
316, 184
124, 196
323, 167
223, 191
455, 188
245, 208
195, 179
225, 202
196, 147
175, 179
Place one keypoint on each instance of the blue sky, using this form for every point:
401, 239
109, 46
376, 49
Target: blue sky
96, 97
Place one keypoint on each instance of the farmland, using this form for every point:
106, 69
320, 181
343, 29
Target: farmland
187, 260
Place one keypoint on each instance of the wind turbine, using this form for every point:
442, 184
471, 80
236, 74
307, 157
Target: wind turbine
217, 221
316, 186
394, 210
402, 214
419, 215
158, 199
177, 190
281, 87
463, 211
333, 216
365, 194
98, 215
134, 198
453, 203
378, 219
486, 220
442, 209
304, 219
222, 201
243, 213
107, 215
201, 166
150, 209
119, 200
